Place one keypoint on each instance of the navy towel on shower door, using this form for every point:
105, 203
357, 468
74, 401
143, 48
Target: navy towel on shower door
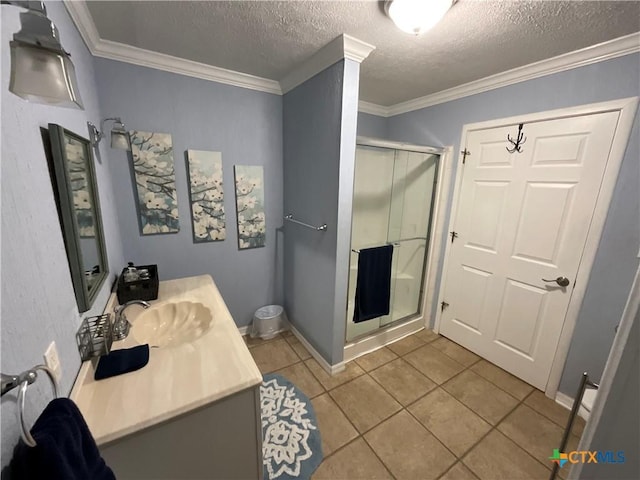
373, 287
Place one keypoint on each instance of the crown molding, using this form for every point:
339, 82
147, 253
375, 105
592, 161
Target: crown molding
168, 63
137, 56
355, 49
373, 109
79, 13
343, 46
608, 50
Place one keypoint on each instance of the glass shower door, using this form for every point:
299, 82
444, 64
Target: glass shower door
392, 202
414, 174
370, 219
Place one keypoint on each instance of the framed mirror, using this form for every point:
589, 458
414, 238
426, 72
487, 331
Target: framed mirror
75, 186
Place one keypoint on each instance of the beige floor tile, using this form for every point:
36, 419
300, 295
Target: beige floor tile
455, 351
302, 378
274, 355
287, 334
335, 428
299, 348
408, 450
536, 434
375, 359
254, 342
498, 458
351, 371
406, 345
402, 381
481, 396
450, 421
434, 364
427, 335
554, 411
356, 461
504, 380
459, 472
364, 402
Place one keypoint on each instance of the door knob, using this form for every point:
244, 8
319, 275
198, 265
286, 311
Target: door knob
562, 281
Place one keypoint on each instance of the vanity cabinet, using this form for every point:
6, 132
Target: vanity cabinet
193, 412
219, 441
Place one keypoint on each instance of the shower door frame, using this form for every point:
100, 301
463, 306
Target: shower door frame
406, 326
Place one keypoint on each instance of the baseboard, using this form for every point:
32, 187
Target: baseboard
567, 402
244, 330
374, 342
330, 369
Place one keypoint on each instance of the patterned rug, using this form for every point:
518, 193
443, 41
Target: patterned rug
291, 446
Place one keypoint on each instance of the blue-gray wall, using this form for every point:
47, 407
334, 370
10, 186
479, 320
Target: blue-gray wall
246, 126
372, 126
616, 260
316, 147
619, 426
38, 303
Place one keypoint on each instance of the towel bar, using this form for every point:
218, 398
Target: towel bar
321, 228
396, 243
23, 380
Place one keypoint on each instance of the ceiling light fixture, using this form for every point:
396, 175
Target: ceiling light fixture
119, 136
417, 16
41, 70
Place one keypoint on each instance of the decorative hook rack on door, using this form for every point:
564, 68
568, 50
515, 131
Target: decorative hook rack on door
518, 142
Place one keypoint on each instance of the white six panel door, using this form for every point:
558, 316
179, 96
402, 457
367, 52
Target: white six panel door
521, 218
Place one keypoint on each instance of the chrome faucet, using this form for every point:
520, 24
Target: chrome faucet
121, 325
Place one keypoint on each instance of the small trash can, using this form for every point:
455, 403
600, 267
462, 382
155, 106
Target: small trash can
268, 321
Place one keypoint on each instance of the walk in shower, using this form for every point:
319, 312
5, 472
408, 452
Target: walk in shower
393, 200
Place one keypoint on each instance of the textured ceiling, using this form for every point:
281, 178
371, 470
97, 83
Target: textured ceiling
268, 39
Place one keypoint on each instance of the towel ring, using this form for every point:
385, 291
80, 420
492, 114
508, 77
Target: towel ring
31, 376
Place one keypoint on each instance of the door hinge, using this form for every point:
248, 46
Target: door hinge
454, 235
443, 305
465, 153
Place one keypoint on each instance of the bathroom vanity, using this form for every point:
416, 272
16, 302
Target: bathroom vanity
192, 412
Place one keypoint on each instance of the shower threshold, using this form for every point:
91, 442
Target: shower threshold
382, 336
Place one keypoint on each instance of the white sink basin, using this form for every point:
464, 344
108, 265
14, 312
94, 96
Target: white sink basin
171, 324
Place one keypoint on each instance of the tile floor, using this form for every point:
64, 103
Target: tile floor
422, 408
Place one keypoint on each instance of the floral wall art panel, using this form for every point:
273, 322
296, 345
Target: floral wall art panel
156, 182
207, 196
250, 206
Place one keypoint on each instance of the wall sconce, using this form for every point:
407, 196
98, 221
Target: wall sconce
119, 136
416, 16
41, 70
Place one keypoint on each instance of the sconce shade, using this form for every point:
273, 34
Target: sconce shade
43, 76
41, 70
120, 139
119, 135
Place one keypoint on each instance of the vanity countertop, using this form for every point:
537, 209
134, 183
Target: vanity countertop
177, 379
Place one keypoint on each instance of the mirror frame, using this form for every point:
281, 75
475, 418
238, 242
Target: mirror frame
68, 221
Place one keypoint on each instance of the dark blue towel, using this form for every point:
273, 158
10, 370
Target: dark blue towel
373, 287
122, 361
65, 449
